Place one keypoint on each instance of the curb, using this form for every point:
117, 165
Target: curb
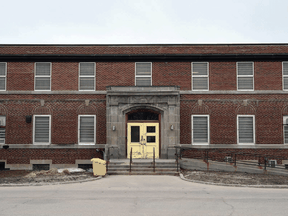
52, 183
234, 185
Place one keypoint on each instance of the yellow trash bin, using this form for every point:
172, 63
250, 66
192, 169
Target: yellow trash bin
99, 166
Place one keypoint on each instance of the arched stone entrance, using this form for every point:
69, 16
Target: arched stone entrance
141, 102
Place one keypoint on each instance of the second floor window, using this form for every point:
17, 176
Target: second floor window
143, 74
245, 76
285, 75
200, 73
3, 72
43, 76
87, 72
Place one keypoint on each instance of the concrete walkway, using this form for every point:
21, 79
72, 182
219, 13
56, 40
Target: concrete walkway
141, 195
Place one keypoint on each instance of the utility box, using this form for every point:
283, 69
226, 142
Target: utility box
99, 167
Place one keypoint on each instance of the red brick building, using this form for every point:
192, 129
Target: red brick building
64, 104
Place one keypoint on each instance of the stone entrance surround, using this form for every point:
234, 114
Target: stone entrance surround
122, 100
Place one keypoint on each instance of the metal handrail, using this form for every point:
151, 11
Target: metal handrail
153, 159
130, 159
235, 157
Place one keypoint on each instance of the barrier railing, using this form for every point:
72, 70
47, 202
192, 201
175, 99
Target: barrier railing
233, 157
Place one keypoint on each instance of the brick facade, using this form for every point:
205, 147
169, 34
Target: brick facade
115, 66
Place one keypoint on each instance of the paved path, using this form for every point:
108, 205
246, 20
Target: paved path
141, 195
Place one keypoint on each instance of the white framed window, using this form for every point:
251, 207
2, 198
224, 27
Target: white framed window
285, 129
42, 76
86, 129
245, 76
246, 129
2, 129
285, 75
3, 73
143, 74
42, 129
87, 74
200, 129
200, 76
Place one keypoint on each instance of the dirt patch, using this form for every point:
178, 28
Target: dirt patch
235, 178
49, 176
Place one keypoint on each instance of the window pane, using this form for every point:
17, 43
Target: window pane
200, 68
87, 69
86, 83
2, 83
286, 134
143, 81
200, 129
42, 83
245, 129
135, 134
150, 129
42, 129
200, 83
245, 68
245, 83
285, 68
285, 83
2, 69
143, 69
87, 129
42, 69
151, 139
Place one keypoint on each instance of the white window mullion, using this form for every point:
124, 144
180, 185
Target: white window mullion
246, 129
285, 75
42, 76
200, 76
200, 129
3, 74
86, 129
42, 129
143, 74
87, 72
245, 76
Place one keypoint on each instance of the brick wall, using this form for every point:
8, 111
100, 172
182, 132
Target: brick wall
64, 111
65, 75
58, 156
223, 111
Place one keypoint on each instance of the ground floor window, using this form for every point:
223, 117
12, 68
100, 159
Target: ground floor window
42, 129
2, 129
87, 129
246, 129
285, 129
200, 129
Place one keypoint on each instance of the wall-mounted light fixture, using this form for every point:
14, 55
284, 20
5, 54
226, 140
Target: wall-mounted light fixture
172, 127
113, 128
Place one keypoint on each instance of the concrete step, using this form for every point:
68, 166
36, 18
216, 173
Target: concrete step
142, 167
142, 173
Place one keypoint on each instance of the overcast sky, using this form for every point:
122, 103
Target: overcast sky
143, 21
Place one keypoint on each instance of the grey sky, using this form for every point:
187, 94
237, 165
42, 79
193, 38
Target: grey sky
139, 21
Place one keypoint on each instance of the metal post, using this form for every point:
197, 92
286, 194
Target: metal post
265, 163
235, 160
130, 159
153, 159
107, 159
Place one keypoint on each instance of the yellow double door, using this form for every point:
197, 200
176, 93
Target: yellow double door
143, 138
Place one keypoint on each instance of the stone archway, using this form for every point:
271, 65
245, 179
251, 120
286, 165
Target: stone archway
123, 100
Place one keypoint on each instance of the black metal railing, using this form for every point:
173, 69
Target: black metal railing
234, 157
